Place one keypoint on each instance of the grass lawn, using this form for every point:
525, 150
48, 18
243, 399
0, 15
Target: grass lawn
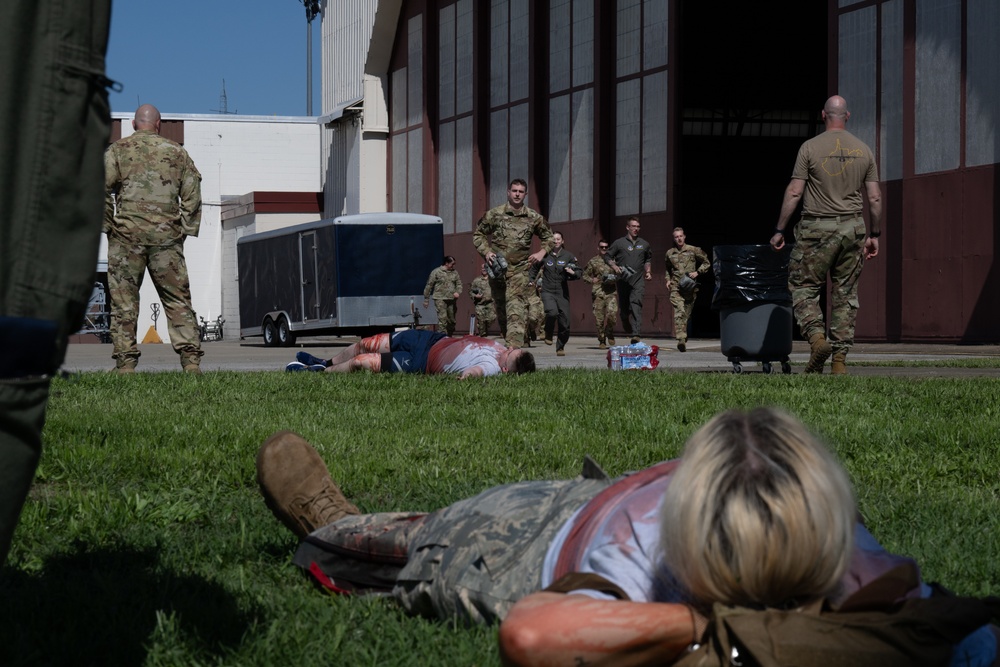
145, 541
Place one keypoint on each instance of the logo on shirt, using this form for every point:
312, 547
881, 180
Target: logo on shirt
840, 158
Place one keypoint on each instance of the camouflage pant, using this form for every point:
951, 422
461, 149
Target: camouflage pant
823, 247
485, 315
536, 316
446, 315
127, 265
511, 296
605, 314
471, 561
683, 305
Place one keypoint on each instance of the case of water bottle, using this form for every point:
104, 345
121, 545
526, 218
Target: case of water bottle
637, 356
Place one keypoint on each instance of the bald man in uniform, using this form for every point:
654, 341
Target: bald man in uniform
831, 173
153, 204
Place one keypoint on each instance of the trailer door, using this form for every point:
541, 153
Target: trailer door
308, 271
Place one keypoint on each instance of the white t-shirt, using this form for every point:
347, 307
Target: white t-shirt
456, 355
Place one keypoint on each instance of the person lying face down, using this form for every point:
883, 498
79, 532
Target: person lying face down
756, 513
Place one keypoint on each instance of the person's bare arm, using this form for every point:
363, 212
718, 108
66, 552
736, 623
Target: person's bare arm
793, 194
551, 629
875, 210
474, 372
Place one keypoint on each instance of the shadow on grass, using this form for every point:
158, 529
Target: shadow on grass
103, 607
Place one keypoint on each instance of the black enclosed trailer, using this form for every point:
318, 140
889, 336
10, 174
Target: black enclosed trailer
356, 274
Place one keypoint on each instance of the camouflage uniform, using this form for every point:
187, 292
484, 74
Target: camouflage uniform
443, 284
471, 560
508, 231
679, 264
604, 295
830, 236
153, 204
54, 126
485, 313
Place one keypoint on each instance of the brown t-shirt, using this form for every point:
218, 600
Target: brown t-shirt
835, 166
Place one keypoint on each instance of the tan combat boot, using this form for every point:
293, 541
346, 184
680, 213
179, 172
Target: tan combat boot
821, 351
839, 364
297, 486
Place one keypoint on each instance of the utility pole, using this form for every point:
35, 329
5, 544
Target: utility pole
312, 11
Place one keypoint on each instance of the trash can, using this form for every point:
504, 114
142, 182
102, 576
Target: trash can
754, 304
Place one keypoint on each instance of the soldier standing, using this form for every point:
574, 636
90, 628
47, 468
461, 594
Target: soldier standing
482, 298
603, 294
831, 170
507, 229
445, 285
684, 261
153, 204
632, 253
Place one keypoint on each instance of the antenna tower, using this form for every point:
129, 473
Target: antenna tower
223, 101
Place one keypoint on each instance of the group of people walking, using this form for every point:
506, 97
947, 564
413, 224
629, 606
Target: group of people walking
834, 174
530, 296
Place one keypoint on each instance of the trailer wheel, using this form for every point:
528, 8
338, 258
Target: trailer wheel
285, 336
270, 333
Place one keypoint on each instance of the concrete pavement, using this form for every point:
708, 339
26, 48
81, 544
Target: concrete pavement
703, 355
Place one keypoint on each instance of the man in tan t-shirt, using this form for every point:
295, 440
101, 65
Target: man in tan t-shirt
830, 238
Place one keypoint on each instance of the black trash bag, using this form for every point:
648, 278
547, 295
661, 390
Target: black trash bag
750, 274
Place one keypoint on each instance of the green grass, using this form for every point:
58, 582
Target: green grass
145, 541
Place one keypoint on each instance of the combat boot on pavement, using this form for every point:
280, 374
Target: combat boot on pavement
821, 351
296, 485
839, 364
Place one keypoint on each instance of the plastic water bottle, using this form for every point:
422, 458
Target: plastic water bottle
616, 358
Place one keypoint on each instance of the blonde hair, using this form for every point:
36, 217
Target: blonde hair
758, 512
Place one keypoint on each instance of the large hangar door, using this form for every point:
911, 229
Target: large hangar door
752, 79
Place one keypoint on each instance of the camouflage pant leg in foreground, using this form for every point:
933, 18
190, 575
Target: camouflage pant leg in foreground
168, 270
473, 560
485, 315
605, 314
822, 248
518, 293
361, 553
446, 315
54, 127
683, 305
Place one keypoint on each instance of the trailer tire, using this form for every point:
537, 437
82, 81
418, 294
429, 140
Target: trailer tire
286, 338
270, 333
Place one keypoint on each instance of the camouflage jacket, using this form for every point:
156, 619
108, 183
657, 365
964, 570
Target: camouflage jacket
508, 231
443, 284
481, 286
595, 272
153, 190
682, 262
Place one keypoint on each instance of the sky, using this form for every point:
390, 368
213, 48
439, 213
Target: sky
175, 56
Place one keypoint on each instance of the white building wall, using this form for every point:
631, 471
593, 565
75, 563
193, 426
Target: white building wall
235, 155
347, 32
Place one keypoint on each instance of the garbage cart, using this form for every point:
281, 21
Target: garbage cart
754, 304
